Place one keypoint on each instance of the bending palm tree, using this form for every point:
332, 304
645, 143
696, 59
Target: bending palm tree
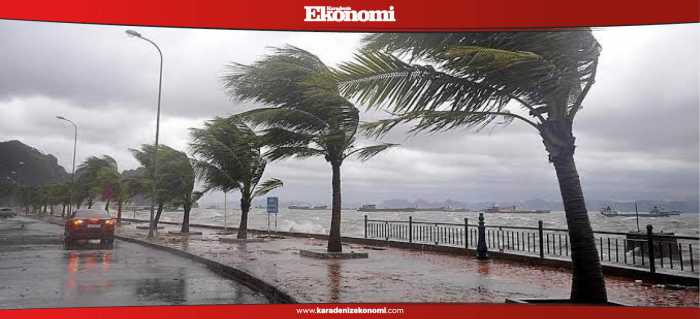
228, 158
471, 79
305, 116
175, 180
89, 178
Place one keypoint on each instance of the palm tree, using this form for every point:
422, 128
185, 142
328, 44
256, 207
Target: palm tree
175, 178
305, 116
187, 201
126, 188
229, 158
90, 185
58, 195
441, 81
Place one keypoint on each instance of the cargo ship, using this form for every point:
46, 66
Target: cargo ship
513, 210
373, 208
654, 212
321, 207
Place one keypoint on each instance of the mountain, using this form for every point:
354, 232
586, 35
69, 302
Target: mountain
25, 165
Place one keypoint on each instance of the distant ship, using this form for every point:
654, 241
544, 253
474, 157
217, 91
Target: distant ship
662, 213
654, 212
609, 212
373, 208
455, 210
514, 210
322, 207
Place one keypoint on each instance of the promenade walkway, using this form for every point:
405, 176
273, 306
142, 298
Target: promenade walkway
398, 275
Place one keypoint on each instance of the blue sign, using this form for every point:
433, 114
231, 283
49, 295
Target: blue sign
272, 205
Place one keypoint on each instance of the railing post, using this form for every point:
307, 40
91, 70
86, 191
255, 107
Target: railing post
650, 243
541, 234
365, 226
437, 235
481, 249
466, 233
410, 229
386, 227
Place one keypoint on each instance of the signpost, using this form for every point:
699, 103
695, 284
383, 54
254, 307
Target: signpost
272, 208
225, 211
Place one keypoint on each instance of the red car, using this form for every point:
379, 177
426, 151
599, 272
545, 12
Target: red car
89, 224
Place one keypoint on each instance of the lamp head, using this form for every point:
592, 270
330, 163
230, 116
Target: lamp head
60, 117
133, 33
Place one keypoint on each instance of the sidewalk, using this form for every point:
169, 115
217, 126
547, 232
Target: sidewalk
397, 275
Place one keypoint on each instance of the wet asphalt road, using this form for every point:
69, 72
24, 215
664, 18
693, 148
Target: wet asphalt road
36, 272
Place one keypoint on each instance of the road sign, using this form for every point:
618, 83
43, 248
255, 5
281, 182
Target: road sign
272, 205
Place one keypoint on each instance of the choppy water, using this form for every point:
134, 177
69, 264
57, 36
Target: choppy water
318, 221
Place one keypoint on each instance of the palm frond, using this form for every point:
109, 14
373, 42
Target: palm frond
368, 152
292, 118
531, 65
282, 152
267, 186
380, 128
379, 79
305, 115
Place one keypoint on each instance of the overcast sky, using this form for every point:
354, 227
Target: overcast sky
637, 135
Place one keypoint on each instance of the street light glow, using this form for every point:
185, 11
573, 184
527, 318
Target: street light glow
133, 33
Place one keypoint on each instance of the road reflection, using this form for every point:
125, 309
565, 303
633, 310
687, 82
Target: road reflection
335, 277
86, 273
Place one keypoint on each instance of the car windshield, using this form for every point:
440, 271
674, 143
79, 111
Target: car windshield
91, 214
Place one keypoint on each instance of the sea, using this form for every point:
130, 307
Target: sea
318, 221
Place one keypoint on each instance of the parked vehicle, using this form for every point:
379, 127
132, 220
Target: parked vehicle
6, 212
89, 224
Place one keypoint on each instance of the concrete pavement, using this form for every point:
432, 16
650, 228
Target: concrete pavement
398, 275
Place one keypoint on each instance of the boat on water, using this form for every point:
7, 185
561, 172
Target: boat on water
662, 213
654, 212
610, 212
515, 210
456, 210
321, 207
373, 208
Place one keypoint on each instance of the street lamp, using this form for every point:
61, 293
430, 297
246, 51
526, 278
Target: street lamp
72, 175
151, 226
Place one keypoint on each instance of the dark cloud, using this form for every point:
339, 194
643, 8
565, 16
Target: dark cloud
637, 134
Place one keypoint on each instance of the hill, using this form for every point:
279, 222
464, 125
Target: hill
36, 168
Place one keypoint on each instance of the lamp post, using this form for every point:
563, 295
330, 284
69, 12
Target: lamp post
72, 174
151, 227
16, 189
19, 186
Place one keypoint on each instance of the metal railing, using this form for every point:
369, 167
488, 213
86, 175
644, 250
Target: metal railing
645, 250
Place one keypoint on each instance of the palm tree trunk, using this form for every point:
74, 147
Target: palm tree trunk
158, 212
245, 208
334, 244
186, 218
119, 211
588, 284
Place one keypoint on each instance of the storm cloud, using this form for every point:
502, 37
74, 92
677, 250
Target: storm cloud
637, 134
